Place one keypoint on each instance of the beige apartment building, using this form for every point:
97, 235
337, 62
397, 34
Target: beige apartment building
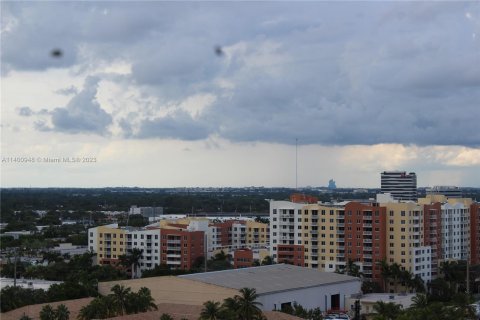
405, 238
322, 233
257, 233
111, 244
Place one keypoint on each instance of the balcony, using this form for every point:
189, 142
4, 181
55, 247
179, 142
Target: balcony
367, 256
173, 255
341, 224
367, 233
174, 248
174, 241
366, 240
367, 249
340, 231
174, 262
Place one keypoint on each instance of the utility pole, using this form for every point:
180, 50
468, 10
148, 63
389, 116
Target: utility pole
15, 269
468, 273
296, 163
205, 241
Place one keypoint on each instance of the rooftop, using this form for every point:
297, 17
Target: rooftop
173, 290
269, 279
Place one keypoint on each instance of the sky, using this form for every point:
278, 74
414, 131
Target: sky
274, 94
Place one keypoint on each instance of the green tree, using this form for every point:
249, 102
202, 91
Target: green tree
47, 313
120, 298
99, 308
387, 311
352, 269
395, 273
211, 311
144, 300
132, 259
420, 301
268, 260
385, 272
230, 307
248, 308
166, 316
62, 312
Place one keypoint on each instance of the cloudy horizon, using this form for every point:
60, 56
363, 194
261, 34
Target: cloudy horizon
172, 94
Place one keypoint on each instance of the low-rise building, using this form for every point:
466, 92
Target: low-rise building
279, 286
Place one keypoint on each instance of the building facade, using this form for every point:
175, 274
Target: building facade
399, 184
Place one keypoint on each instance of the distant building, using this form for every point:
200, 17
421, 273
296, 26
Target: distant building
242, 258
16, 234
367, 301
147, 212
400, 185
447, 191
68, 248
331, 184
178, 243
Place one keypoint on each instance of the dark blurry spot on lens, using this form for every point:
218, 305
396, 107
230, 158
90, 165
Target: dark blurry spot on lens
218, 51
56, 53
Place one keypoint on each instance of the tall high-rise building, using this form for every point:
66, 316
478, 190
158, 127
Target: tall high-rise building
399, 184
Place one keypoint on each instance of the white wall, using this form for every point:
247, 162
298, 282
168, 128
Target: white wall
422, 262
92, 239
311, 298
276, 223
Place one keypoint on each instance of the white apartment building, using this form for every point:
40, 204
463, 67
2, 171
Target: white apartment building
239, 237
285, 224
422, 262
147, 240
455, 230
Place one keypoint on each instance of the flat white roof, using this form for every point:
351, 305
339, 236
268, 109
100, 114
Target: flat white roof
273, 278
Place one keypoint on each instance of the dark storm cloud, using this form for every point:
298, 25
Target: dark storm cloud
325, 73
83, 113
179, 125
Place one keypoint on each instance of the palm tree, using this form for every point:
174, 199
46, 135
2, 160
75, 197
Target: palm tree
62, 312
47, 313
99, 308
132, 259
211, 311
145, 300
352, 269
268, 260
395, 273
248, 308
387, 311
135, 257
120, 298
166, 316
420, 301
230, 308
385, 272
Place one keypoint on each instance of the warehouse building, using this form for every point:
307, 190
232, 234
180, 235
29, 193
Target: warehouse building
280, 285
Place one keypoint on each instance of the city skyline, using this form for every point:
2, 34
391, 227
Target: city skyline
163, 94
